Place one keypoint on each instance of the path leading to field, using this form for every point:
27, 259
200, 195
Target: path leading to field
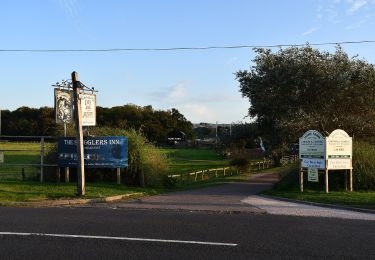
238, 197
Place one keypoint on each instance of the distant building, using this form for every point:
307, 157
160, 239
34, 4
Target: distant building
176, 137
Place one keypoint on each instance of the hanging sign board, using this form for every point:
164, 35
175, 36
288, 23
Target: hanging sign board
88, 107
339, 145
313, 163
313, 175
99, 152
63, 106
312, 145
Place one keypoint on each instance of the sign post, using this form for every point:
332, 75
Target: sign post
78, 125
311, 153
339, 154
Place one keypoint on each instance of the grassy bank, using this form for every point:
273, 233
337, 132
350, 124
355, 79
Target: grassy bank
288, 188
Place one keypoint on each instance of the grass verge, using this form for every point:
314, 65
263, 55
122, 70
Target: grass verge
288, 188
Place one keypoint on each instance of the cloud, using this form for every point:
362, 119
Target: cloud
309, 31
355, 5
70, 7
172, 94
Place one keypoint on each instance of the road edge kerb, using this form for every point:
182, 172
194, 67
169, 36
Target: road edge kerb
323, 205
68, 202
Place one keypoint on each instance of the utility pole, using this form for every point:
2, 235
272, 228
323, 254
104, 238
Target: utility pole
78, 123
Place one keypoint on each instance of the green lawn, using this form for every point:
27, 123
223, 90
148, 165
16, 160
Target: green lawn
182, 161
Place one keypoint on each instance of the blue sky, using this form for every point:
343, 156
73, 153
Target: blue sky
200, 84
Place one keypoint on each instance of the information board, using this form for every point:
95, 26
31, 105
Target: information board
314, 163
339, 145
99, 152
313, 175
339, 164
312, 145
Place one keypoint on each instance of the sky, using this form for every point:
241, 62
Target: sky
201, 84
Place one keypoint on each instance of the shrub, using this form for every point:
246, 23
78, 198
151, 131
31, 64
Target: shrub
363, 166
146, 163
242, 163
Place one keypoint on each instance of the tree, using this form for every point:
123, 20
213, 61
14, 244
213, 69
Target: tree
296, 89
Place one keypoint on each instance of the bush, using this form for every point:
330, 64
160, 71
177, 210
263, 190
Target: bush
242, 163
363, 166
147, 165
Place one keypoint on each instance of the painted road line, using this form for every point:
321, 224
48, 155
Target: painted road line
118, 238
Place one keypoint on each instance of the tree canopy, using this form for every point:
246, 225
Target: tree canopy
301, 88
155, 124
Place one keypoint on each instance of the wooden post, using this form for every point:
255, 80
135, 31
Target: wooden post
216, 173
224, 171
78, 124
41, 158
351, 180
346, 180
326, 179
301, 177
67, 174
118, 175
196, 175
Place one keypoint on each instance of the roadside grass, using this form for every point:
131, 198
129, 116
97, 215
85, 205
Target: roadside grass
17, 191
181, 161
288, 188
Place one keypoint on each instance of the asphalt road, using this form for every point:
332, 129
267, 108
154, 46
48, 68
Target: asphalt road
123, 233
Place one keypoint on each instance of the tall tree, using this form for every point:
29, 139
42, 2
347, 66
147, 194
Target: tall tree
296, 89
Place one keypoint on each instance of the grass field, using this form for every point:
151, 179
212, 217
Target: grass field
183, 161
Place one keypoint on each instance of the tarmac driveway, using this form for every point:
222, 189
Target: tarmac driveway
221, 198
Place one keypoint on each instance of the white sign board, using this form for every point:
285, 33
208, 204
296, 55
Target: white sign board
88, 106
1, 157
63, 106
313, 175
339, 164
312, 145
313, 163
339, 145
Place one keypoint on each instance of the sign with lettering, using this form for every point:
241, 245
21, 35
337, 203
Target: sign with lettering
339, 145
339, 164
312, 145
313, 163
88, 105
99, 152
313, 175
63, 106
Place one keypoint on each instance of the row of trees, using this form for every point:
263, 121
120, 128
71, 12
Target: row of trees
155, 124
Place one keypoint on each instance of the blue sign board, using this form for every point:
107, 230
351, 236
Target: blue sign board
99, 152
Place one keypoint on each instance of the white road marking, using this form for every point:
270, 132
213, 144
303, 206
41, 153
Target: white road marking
119, 238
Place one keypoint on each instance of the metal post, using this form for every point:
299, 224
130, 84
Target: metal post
301, 177
41, 158
326, 178
78, 123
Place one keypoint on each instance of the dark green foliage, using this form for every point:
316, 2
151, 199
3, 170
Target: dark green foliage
364, 166
297, 89
155, 124
241, 163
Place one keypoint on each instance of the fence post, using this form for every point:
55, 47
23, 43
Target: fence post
216, 173
196, 175
224, 171
67, 174
41, 158
118, 176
